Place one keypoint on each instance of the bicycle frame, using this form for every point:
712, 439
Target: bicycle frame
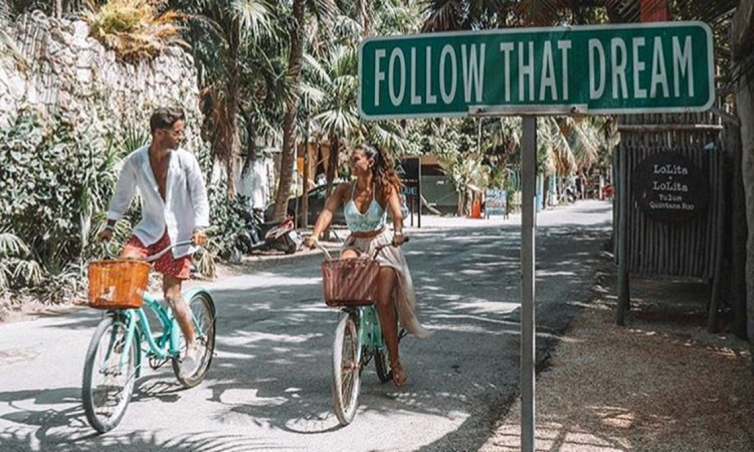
164, 345
369, 329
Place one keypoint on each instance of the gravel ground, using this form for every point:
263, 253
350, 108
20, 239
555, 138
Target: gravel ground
659, 384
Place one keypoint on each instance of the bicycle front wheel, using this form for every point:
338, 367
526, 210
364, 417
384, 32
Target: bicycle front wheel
203, 313
109, 374
346, 366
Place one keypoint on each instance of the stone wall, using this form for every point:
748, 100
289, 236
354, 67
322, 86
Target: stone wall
71, 73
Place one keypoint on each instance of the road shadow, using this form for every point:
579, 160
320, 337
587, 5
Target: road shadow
273, 363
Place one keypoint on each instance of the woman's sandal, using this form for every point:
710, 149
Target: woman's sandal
398, 374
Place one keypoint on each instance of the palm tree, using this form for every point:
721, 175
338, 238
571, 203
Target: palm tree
219, 32
263, 94
336, 116
321, 11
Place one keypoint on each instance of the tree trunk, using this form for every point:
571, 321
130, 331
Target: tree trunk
742, 33
461, 206
231, 105
304, 217
545, 191
745, 107
365, 12
332, 163
291, 111
738, 237
251, 133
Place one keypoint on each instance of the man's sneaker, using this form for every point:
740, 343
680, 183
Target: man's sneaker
190, 363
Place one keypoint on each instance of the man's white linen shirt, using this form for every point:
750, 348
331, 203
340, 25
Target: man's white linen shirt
184, 209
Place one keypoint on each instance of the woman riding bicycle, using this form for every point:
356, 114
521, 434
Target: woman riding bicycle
366, 202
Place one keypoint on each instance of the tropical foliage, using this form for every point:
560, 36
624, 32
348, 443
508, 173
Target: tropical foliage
45, 169
270, 71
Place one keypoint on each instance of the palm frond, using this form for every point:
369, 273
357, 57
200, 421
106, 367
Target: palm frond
12, 245
311, 96
28, 271
315, 67
443, 15
387, 135
347, 28
324, 11
540, 12
254, 18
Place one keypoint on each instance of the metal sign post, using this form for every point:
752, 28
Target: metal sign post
528, 337
528, 277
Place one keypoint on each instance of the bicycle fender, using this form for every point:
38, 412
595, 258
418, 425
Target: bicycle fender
190, 293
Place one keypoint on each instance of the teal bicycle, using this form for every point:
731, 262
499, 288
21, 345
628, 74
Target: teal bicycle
358, 341
114, 358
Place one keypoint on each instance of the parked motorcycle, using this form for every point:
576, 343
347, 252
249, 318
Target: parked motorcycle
570, 194
261, 235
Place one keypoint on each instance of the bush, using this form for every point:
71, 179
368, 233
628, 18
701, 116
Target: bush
54, 179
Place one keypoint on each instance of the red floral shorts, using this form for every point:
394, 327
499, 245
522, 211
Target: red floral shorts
167, 264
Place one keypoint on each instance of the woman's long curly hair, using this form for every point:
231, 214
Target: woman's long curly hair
383, 171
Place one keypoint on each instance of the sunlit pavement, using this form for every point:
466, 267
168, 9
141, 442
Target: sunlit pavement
269, 387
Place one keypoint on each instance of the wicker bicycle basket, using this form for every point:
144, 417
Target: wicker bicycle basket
349, 282
117, 284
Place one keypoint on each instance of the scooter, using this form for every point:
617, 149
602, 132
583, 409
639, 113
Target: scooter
261, 235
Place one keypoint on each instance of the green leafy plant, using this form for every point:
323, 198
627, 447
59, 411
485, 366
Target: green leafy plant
15, 267
468, 173
56, 179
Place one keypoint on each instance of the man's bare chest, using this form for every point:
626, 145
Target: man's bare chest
160, 172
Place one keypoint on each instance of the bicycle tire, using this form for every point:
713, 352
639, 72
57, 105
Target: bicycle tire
90, 400
381, 365
207, 323
346, 361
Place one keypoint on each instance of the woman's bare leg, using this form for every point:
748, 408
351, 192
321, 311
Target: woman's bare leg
386, 281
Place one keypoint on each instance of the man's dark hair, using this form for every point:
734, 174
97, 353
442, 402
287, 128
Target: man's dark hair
165, 118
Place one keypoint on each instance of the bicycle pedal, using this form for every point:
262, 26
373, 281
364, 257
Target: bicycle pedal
155, 363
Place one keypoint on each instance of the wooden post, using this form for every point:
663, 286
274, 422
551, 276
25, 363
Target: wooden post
717, 282
419, 196
742, 37
528, 338
738, 238
304, 220
624, 300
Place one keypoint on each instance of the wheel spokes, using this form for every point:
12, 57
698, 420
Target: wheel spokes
111, 392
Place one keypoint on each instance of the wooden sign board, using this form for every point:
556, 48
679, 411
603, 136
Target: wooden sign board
669, 187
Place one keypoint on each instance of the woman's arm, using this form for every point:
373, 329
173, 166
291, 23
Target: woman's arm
394, 205
332, 204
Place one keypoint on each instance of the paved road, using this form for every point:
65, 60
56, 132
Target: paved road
269, 388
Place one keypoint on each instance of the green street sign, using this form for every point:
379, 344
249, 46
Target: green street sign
611, 69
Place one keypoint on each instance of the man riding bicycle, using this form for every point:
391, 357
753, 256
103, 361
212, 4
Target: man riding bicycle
174, 208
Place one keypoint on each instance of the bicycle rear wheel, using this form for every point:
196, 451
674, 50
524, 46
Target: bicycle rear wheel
203, 311
346, 366
109, 374
381, 365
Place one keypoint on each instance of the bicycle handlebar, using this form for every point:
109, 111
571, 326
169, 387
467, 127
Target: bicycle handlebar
377, 250
109, 251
